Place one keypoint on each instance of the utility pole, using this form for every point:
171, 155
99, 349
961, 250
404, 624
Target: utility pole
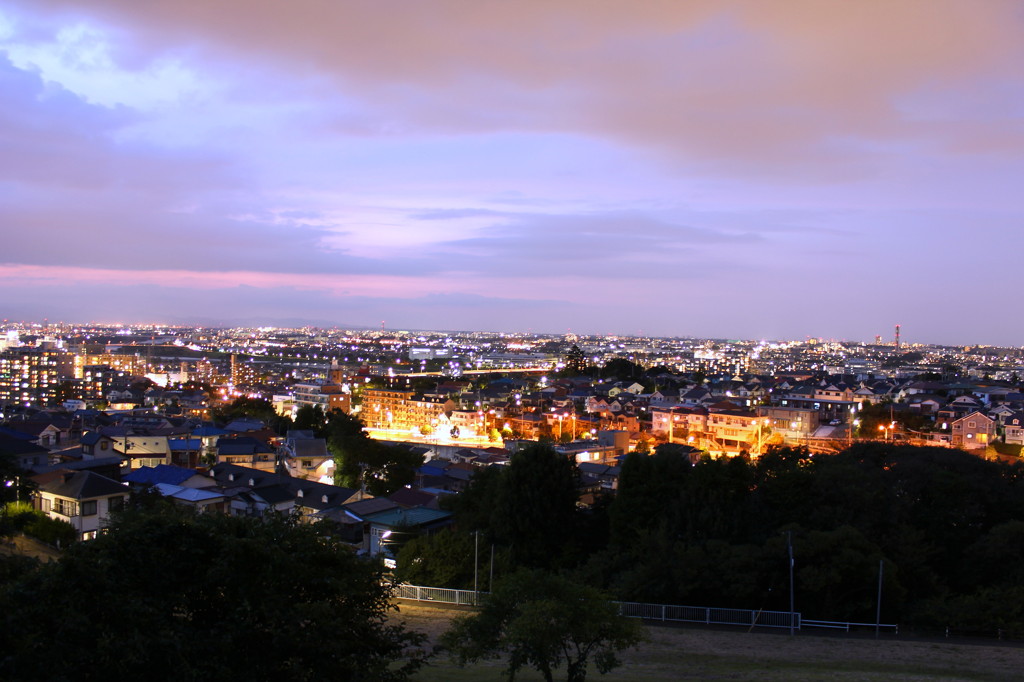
878, 608
476, 564
792, 610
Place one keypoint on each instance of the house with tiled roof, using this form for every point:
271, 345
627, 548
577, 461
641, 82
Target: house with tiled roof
246, 451
283, 492
1013, 428
924, 403
83, 498
40, 432
597, 476
200, 499
245, 425
23, 453
97, 444
397, 526
105, 466
973, 431
351, 518
410, 498
185, 452
304, 456
171, 475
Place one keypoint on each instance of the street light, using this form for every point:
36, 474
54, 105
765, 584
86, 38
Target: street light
16, 484
758, 436
381, 540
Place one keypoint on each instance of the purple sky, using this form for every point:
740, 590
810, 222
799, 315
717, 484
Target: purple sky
764, 169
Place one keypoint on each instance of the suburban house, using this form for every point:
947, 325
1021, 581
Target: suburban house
146, 477
83, 498
351, 518
397, 526
246, 451
279, 492
304, 456
200, 499
23, 453
96, 444
973, 430
1013, 428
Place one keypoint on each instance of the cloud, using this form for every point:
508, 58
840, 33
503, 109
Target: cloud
578, 157
586, 244
741, 87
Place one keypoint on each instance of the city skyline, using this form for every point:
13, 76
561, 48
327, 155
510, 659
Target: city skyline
716, 170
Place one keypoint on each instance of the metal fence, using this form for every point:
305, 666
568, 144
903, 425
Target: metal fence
662, 612
847, 627
710, 615
440, 595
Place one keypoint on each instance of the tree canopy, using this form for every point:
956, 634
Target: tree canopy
254, 408
535, 504
545, 621
946, 526
360, 460
208, 597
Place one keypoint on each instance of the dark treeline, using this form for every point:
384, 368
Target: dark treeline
947, 527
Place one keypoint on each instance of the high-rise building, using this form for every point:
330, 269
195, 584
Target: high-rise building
134, 365
32, 375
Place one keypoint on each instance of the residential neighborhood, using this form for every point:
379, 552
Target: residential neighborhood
91, 415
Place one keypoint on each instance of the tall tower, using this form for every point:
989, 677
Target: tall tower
897, 337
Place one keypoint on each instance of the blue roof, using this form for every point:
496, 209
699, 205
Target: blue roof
14, 433
185, 443
207, 430
161, 473
417, 516
427, 470
188, 494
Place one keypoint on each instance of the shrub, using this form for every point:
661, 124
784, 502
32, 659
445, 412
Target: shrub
51, 531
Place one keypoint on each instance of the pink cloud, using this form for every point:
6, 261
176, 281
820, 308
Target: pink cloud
338, 285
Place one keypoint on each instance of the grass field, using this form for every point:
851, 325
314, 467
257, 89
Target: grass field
699, 654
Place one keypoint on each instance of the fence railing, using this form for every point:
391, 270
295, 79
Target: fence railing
662, 612
847, 627
440, 595
709, 615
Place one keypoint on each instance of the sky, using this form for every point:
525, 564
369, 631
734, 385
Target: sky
775, 169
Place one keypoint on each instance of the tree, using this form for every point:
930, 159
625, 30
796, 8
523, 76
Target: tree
535, 505
359, 460
386, 468
310, 418
649, 492
207, 596
623, 369
254, 408
474, 507
575, 362
544, 621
